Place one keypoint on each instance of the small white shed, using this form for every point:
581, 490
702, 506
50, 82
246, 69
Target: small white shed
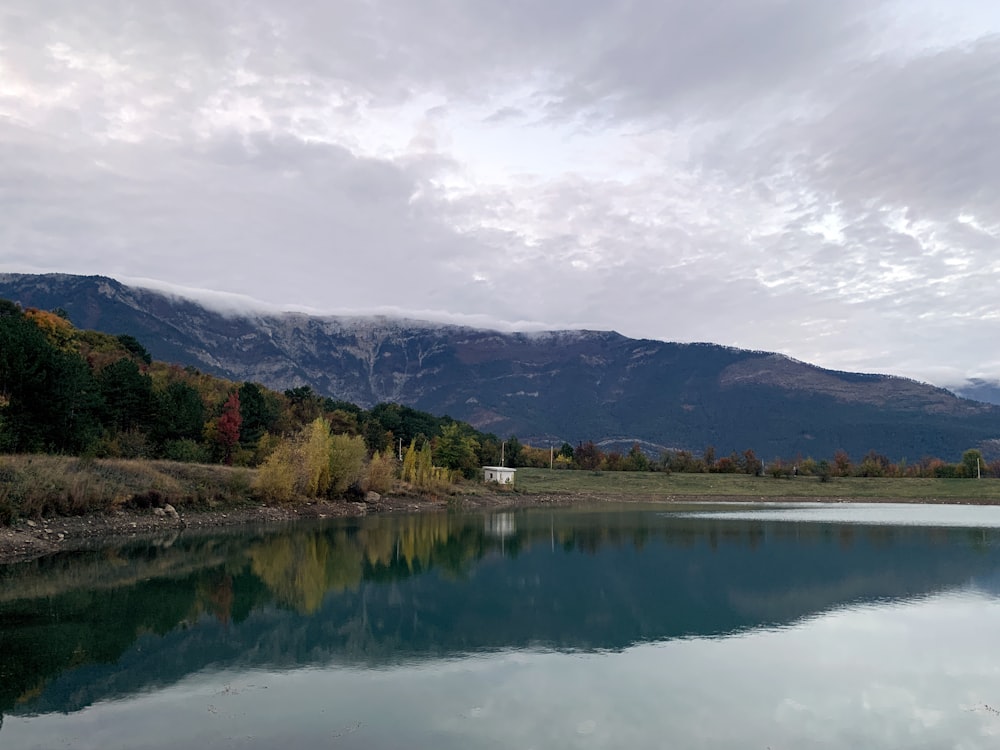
498, 474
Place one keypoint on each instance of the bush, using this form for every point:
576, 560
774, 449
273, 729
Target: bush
188, 451
346, 461
276, 477
381, 473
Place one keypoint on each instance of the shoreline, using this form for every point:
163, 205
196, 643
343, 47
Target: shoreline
29, 540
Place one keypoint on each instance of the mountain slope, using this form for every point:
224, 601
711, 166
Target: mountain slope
979, 390
554, 386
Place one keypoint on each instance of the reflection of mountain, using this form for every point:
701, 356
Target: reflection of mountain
389, 589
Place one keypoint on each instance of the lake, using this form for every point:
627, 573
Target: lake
688, 626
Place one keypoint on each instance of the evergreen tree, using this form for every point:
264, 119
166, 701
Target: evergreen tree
128, 396
48, 400
255, 414
180, 413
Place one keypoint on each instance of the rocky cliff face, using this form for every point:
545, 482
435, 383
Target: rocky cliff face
549, 387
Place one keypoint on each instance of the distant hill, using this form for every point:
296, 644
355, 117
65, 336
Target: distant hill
544, 387
979, 390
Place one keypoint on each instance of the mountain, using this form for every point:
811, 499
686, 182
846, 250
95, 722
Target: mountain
978, 389
545, 387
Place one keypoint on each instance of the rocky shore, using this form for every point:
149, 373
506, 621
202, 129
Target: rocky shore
27, 539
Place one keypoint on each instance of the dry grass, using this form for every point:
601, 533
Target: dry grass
36, 486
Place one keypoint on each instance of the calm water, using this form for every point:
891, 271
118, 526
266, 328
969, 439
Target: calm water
825, 626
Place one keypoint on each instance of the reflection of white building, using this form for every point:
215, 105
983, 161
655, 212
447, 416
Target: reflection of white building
498, 474
500, 525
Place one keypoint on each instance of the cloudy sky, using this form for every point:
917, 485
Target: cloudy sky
811, 177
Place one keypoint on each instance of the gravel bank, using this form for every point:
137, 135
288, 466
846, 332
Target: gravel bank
28, 540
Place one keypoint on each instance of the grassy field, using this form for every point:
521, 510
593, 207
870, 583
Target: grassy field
38, 485
625, 484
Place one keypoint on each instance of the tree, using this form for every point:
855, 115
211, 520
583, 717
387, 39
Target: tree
57, 330
709, 458
315, 448
304, 404
972, 463
512, 452
873, 465
613, 461
588, 455
727, 464
48, 398
377, 438
180, 413
347, 462
380, 474
683, 461
128, 396
278, 475
750, 464
405, 422
255, 414
132, 345
636, 460
343, 422
456, 449
419, 469
227, 430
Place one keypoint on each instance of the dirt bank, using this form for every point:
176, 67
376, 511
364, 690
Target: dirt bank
27, 540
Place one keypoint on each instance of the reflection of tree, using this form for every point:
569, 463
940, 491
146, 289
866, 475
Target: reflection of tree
40, 638
581, 579
299, 569
216, 593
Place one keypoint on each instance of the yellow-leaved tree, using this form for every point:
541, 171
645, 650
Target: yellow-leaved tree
317, 447
300, 465
347, 461
381, 473
419, 469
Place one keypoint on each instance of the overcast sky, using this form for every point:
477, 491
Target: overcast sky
815, 177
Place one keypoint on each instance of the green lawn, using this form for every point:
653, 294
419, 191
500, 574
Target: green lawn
623, 483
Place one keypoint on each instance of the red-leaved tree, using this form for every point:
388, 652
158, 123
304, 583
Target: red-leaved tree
228, 428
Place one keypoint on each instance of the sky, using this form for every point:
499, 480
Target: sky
820, 179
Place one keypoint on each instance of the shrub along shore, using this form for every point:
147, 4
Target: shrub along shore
49, 503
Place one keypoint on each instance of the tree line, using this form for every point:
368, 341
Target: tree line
70, 391
589, 456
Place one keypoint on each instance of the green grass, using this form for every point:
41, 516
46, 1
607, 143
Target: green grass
627, 484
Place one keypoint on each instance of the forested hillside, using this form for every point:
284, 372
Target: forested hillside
72, 391
65, 390
548, 388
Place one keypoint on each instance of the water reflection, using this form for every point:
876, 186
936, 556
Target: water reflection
575, 611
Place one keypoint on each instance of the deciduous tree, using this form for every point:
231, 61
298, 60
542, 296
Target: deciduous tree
227, 432
456, 449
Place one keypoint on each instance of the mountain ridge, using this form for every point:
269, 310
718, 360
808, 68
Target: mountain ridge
544, 386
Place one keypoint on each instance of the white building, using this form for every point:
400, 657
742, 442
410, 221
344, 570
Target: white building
498, 474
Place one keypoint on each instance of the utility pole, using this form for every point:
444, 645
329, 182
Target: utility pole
502, 446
